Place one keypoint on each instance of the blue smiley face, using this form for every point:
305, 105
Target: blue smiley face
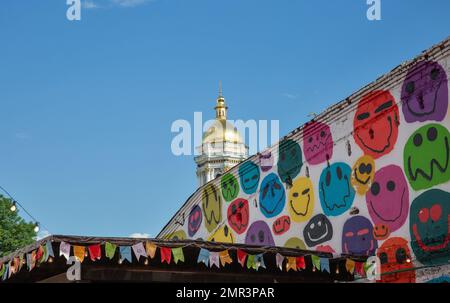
272, 196
249, 175
336, 191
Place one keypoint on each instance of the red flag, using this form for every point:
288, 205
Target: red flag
242, 255
301, 262
95, 252
166, 254
359, 268
39, 253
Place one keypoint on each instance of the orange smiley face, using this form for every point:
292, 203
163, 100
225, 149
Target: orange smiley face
363, 172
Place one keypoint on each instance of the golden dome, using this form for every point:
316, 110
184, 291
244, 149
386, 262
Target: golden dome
222, 131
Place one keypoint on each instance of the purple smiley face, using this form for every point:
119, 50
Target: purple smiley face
388, 198
357, 237
317, 143
266, 160
425, 93
195, 220
259, 234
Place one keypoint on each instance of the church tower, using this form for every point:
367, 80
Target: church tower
222, 146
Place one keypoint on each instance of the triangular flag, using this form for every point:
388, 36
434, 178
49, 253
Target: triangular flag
21, 258
110, 250
359, 267
139, 250
79, 252
125, 253
251, 262
150, 249
242, 255
31, 260
64, 250
259, 261
11, 269
291, 263
2, 269
325, 264
15, 263
279, 258
225, 258
203, 256
95, 252
49, 249
40, 254
6, 272
315, 261
214, 259
166, 254
350, 265
178, 254
300, 262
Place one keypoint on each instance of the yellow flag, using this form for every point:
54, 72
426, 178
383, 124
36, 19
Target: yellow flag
291, 263
150, 248
225, 258
79, 252
350, 265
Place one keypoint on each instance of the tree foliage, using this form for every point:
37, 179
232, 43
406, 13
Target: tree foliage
14, 231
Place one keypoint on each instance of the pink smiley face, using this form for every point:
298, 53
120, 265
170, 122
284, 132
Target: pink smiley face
317, 143
388, 198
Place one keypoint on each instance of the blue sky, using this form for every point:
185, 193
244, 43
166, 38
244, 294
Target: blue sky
87, 106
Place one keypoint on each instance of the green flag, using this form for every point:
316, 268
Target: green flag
315, 261
178, 254
110, 250
251, 261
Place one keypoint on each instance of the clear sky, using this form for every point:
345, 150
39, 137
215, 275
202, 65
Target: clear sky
87, 106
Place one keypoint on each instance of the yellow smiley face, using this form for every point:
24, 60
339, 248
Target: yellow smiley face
178, 235
223, 235
363, 172
301, 199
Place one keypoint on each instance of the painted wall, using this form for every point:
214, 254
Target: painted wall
386, 154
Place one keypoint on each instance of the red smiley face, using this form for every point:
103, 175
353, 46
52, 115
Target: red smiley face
238, 215
376, 123
395, 259
281, 225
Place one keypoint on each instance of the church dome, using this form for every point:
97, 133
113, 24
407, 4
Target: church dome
222, 131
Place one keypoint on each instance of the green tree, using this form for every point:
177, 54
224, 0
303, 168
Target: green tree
14, 231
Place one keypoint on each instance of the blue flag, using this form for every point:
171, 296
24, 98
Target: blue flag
125, 253
325, 264
203, 256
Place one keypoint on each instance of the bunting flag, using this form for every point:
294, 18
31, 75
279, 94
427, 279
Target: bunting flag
315, 261
279, 258
125, 253
139, 250
150, 249
203, 256
359, 267
251, 261
79, 252
95, 252
64, 250
2, 269
225, 258
5, 272
49, 250
259, 261
21, 261
214, 259
110, 250
178, 254
300, 262
291, 263
166, 254
325, 264
40, 254
11, 269
16, 262
242, 255
31, 260
350, 266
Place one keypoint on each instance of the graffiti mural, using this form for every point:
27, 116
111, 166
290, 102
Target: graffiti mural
425, 93
290, 160
238, 215
363, 172
230, 187
281, 225
212, 206
301, 199
317, 142
395, 258
259, 234
195, 220
272, 196
427, 156
357, 237
249, 175
223, 234
318, 230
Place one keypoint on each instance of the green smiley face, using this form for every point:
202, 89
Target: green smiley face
230, 187
426, 157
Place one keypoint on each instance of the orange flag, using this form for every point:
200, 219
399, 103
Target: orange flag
350, 266
225, 258
291, 263
79, 252
150, 248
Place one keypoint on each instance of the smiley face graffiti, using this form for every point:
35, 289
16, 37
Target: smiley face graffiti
238, 215
381, 231
357, 237
177, 236
301, 199
426, 157
290, 160
388, 198
249, 175
376, 123
336, 193
281, 225
318, 230
229, 186
266, 160
425, 93
395, 256
223, 235
272, 196
212, 206
317, 142
296, 243
259, 234
363, 172
429, 226
195, 220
